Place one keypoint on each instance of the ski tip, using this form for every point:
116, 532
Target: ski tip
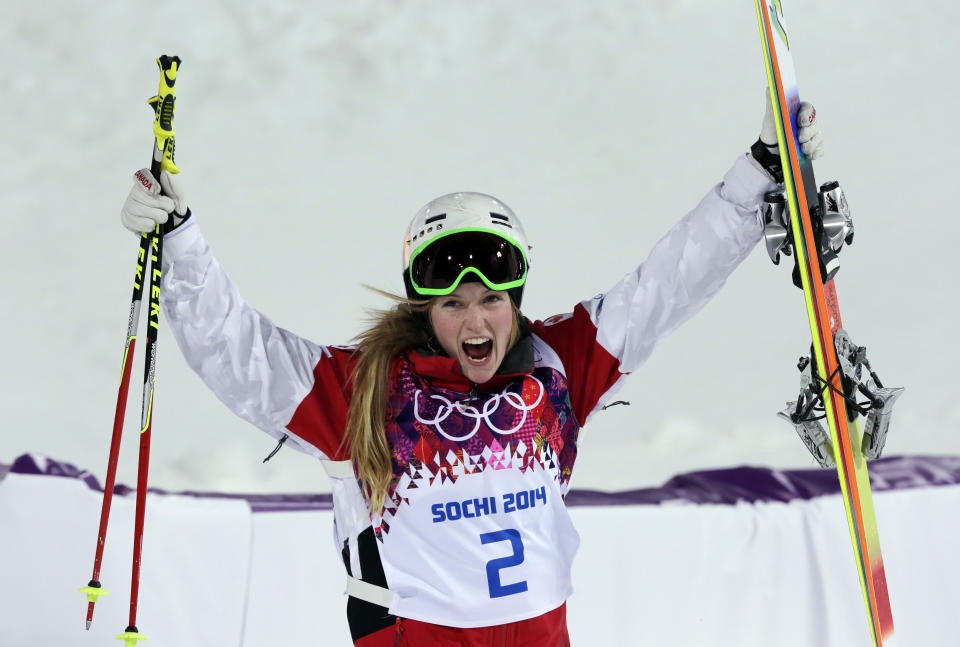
88, 625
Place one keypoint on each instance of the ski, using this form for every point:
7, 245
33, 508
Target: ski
812, 224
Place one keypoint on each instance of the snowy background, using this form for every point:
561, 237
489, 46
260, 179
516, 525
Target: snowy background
309, 133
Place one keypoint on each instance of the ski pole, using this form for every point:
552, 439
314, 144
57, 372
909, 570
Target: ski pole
93, 590
162, 160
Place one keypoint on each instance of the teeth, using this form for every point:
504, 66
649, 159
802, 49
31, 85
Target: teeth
476, 340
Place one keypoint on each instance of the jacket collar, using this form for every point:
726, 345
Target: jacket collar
444, 371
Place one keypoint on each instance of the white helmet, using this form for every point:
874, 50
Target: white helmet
465, 236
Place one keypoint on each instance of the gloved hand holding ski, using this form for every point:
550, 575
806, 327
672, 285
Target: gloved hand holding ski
766, 152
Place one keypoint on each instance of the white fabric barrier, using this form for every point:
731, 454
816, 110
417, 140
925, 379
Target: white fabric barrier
215, 573
297, 582
763, 574
193, 578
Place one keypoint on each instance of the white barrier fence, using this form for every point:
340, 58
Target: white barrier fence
764, 565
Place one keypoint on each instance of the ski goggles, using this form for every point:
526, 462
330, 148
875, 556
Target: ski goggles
438, 267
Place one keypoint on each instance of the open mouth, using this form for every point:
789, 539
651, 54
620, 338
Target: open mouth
477, 349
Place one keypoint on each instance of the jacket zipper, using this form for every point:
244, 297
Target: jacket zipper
398, 635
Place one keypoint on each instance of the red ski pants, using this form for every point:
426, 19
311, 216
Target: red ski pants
547, 630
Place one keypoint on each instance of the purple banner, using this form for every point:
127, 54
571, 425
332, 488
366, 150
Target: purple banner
724, 486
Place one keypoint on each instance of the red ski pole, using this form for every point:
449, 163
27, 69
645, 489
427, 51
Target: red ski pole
93, 590
162, 160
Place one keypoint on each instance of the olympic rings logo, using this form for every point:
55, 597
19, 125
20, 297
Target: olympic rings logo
447, 408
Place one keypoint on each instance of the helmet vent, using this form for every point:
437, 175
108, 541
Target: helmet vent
439, 216
500, 220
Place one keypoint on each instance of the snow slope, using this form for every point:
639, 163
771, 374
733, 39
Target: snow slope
309, 133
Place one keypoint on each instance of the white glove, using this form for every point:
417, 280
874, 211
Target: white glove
145, 207
766, 150
809, 135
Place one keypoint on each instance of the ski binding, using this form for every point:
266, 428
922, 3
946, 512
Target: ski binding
807, 411
832, 222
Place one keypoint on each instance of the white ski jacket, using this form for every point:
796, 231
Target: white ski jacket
475, 531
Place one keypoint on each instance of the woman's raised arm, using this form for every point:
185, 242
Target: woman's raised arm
268, 376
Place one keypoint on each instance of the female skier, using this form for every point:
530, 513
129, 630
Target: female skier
449, 431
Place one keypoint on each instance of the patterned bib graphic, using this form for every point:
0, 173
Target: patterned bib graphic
438, 434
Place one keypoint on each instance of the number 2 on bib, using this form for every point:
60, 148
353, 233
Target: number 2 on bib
494, 566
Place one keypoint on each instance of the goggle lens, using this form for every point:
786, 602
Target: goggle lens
439, 267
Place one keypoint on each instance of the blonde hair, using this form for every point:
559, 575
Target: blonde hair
392, 331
